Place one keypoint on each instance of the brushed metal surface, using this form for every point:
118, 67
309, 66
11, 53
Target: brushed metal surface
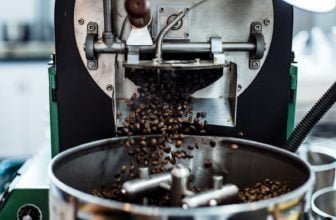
74, 173
229, 19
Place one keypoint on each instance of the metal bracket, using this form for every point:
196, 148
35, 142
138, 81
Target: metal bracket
133, 55
217, 50
168, 12
258, 38
91, 38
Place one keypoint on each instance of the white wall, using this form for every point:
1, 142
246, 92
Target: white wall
18, 11
24, 122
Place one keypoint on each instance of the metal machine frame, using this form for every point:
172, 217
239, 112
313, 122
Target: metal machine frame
85, 111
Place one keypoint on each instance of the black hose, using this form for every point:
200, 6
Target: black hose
311, 119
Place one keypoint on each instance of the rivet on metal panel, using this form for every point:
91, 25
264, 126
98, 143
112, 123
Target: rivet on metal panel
267, 21
257, 27
92, 65
239, 87
109, 87
81, 21
91, 27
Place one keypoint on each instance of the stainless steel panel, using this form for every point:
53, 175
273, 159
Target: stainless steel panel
229, 19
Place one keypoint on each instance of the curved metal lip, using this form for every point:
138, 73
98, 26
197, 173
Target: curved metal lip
325, 151
159, 211
176, 65
317, 210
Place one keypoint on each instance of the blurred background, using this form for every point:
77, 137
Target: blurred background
26, 42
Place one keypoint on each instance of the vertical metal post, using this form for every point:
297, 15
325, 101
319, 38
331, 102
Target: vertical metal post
108, 24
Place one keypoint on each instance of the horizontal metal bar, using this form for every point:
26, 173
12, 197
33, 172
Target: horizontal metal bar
100, 47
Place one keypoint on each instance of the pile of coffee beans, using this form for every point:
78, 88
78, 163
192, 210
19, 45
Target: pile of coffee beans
266, 189
162, 107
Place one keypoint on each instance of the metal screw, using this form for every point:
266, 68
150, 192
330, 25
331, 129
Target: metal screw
92, 65
256, 65
186, 34
161, 10
240, 87
267, 21
81, 21
257, 27
91, 27
109, 87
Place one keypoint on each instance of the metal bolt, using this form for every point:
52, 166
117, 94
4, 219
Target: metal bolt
240, 87
257, 27
92, 65
109, 87
91, 27
267, 21
81, 21
256, 65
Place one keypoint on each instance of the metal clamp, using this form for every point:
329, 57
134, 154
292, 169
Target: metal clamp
258, 39
217, 50
91, 38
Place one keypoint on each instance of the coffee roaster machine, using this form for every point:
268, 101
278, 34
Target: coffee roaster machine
99, 42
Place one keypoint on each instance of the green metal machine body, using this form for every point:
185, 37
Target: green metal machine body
29, 189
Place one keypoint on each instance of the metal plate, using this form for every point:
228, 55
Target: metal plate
176, 65
229, 19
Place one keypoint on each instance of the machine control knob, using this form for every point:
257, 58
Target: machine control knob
139, 12
29, 212
137, 8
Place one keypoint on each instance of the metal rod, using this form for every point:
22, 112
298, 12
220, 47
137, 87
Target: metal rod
196, 47
217, 182
108, 16
179, 186
134, 187
212, 197
165, 30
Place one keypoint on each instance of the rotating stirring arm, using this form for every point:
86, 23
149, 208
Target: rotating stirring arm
177, 183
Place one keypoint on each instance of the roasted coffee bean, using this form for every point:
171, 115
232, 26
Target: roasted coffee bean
155, 162
234, 146
131, 152
154, 141
178, 143
145, 150
189, 156
123, 169
127, 144
207, 165
172, 161
143, 143
191, 147
125, 130
167, 150
196, 146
